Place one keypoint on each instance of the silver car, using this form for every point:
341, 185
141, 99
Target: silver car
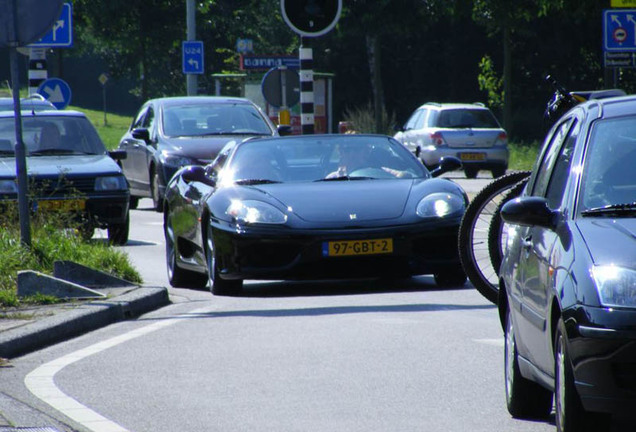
469, 132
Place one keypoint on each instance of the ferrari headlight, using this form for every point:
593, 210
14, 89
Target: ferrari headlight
616, 286
440, 204
8, 187
252, 211
110, 183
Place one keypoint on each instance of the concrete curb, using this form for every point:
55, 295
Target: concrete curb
82, 319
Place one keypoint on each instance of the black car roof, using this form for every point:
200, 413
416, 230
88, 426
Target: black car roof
179, 100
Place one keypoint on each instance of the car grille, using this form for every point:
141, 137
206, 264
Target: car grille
61, 186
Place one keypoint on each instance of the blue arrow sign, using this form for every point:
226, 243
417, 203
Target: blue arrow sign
192, 57
61, 35
619, 30
56, 91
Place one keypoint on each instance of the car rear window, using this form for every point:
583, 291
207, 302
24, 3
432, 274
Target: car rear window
467, 118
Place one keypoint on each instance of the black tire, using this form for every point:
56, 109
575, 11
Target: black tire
524, 398
157, 199
497, 234
570, 415
499, 171
473, 234
471, 173
178, 277
218, 285
86, 231
450, 278
134, 202
118, 232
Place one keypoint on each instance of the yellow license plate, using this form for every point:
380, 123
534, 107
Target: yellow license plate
357, 247
62, 205
472, 156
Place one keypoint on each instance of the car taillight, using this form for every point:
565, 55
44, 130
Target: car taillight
437, 139
502, 137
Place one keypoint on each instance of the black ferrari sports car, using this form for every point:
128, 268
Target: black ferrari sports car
312, 207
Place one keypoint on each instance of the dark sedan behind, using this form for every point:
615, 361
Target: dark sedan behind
168, 133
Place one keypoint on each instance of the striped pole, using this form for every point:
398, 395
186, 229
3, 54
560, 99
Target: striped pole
306, 87
37, 69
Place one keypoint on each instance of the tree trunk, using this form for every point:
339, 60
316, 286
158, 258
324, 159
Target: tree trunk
507, 78
373, 52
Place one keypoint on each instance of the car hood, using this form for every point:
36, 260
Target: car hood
202, 148
344, 201
610, 241
67, 164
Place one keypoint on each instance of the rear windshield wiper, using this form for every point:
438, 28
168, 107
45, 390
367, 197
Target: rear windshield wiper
611, 210
250, 182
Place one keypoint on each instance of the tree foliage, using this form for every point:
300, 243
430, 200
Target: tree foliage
424, 50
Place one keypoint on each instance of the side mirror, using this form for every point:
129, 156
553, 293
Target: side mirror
118, 154
141, 134
529, 211
446, 164
196, 173
284, 130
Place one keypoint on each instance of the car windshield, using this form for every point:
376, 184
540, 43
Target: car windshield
608, 184
467, 118
321, 158
48, 135
213, 119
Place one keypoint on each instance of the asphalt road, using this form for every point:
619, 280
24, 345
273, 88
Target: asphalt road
351, 356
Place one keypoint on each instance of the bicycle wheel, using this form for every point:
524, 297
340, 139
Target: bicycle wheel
497, 231
473, 234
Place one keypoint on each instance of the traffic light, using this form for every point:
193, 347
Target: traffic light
311, 17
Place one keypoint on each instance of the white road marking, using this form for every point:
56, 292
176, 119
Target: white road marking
499, 342
41, 381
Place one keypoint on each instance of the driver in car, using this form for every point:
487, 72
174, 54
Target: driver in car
355, 157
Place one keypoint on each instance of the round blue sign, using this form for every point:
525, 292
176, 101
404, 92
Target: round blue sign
56, 91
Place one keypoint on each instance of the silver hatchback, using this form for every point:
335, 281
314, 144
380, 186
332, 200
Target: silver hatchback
469, 132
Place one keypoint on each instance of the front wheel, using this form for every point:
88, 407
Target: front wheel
570, 415
218, 285
118, 232
524, 398
157, 199
450, 278
178, 277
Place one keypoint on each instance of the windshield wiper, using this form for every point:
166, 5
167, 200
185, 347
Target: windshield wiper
250, 182
52, 151
611, 210
344, 178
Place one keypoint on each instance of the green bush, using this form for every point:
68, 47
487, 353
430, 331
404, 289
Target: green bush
51, 240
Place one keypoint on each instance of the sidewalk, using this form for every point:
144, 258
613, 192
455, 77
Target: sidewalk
27, 329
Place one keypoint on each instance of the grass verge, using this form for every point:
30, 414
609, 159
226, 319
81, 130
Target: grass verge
51, 241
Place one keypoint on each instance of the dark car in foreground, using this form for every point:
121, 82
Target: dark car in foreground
168, 133
69, 170
567, 297
287, 208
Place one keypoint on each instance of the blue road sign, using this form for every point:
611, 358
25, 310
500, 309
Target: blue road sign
619, 30
192, 57
56, 91
61, 35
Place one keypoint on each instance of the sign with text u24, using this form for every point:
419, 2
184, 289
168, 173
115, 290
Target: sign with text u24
61, 34
192, 57
619, 30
